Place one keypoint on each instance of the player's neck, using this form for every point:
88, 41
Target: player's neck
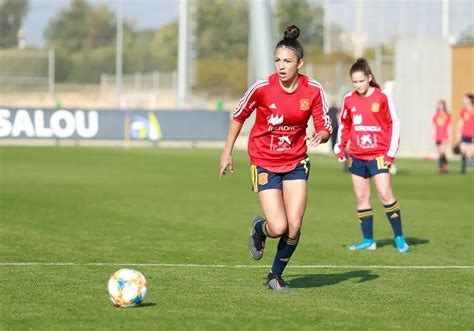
290, 85
368, 93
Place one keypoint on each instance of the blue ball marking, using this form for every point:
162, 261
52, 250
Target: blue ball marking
121, 284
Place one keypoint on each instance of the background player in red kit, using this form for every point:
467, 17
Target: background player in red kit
277, 147
466, 128
369, 121
442, 123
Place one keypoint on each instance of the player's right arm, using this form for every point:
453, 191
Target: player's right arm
242, 111
226, 157
343, 133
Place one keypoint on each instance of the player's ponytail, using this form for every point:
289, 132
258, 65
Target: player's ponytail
289, 41
361, 65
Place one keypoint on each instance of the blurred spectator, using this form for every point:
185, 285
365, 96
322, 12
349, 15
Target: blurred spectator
466, 130
442, 122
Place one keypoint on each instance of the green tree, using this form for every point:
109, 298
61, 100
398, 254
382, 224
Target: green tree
81, 26
83, 37
222, 50
164, 47
308, 18
12, 13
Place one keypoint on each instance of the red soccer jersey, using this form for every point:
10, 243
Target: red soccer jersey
467, 118
441, 122
276, 140
371, 126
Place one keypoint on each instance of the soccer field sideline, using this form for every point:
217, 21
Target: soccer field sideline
229, 266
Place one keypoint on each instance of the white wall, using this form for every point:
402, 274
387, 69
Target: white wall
422, 77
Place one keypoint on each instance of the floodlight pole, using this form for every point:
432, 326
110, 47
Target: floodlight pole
183, 55
359, 48
260, 39
51, 72
119, 53
326, 28
445, 19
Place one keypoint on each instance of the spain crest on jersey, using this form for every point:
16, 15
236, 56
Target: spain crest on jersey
375, 107
304, 104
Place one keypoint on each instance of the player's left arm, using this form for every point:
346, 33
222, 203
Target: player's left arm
321, 120
393, 129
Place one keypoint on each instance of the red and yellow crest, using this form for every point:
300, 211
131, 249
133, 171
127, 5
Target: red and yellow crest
304, 104
262, 178
375, 107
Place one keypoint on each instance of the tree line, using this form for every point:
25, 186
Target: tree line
84, 39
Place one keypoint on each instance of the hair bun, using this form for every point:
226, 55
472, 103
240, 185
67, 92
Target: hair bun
292, 32
361, 60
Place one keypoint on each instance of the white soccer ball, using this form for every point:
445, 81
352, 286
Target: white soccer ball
127, 288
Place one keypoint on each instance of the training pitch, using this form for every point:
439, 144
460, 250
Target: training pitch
72, 216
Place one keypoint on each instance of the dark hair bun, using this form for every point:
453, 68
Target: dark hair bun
361, 60
292, 32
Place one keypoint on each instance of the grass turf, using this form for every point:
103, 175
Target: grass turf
166, 206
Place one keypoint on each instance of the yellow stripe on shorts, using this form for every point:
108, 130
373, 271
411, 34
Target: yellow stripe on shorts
381, 163
305, 164
254, 175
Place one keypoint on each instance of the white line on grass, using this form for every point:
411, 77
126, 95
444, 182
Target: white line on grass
237, 266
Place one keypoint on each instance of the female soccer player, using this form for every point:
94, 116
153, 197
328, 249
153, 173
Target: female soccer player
277, 147
442, 122
369, 122
466, 128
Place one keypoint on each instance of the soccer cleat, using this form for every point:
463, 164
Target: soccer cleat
401, 244
365, 244
276, 283
256, 241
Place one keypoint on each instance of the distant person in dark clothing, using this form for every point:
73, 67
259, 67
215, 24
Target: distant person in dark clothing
333, 113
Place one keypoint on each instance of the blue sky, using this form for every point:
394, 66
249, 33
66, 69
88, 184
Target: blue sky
383, 19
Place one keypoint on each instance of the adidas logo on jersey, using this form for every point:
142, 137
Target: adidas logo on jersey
272, 106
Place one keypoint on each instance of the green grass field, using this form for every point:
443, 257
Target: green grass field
70, 217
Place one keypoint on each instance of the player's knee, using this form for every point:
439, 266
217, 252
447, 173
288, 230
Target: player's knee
386, 197
294, 225
362, 198
277, 229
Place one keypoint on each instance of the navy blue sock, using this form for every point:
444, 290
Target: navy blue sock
260, 227
366, 219
286, 247
395, 217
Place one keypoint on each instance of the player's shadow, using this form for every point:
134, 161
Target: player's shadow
411, 241
320, 280
145, 305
